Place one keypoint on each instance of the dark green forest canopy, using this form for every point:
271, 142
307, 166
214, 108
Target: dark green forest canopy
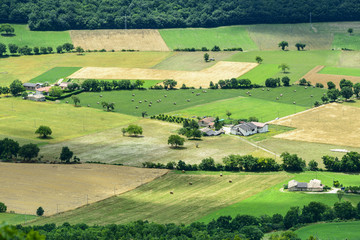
107, 14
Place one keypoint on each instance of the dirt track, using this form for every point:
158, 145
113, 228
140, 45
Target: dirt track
25, 187
221, 70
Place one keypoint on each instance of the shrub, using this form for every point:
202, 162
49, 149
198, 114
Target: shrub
40, 211
3, 207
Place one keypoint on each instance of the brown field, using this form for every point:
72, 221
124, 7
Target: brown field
221, 70
25, 187
334, 124
314, 77
142, 39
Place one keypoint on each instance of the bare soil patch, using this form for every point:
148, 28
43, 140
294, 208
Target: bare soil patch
25, 187
136, 39
221, 70
314, 77
332, 124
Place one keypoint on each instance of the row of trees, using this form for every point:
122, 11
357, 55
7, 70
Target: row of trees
232, 84
350, 162
93, 85
276, 82
284, 44
26, 50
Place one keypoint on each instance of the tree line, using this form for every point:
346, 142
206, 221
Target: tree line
77, 14
26, 50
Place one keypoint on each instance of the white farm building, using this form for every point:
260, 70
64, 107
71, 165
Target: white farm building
246, 129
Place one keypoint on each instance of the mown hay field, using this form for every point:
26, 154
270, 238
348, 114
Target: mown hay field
20, 119
340, 71
116, 39
153, 201
332, 124
26, 68
58, 188
221, 70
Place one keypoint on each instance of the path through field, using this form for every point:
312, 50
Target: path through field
221, 70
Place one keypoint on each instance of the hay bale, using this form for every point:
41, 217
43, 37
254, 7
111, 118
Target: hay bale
174, 103
171, 192
250, 94
132, 100
277, 98
188, 100
295, 90
149, 105
190, 183
263, 89
221, 174
145, 100
98, 103
311, 95
88, 105
230, 181
305, 87
100, 95
281, 95
67, 101
192, 92
268, 89
165, 95
136, 107
133, 94
294, 102
140, 101
150, 102
183, 171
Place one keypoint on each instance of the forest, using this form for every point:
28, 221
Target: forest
136, 14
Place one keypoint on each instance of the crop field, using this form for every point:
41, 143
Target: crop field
316, 75
23, 36
153, 201
111, 146
14, 218
192, 61
262, 72
54, 74
323, 124
272, 200
20, 119
344, 40
331, 231
300, 62
221, 70
59, 188
224, 37
340, 71
117, 39
26, 68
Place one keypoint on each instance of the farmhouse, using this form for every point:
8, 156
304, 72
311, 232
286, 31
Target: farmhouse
32, 86
38, 97
207, 122
246, 129
210, 132
43, 90
313, 186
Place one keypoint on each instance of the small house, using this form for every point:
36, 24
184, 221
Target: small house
313, 186
207, 122
32, 86
43, 90
244, 129
210, 132
261, 127
36, 97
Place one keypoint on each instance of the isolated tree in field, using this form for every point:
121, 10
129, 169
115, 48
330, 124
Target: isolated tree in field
44, 131
346, 92
109, 106
8, 148
284, 67
2, 49
68, 47
134, 130
143, 114
169, 83
3, 207
206, 57
29, 151
8, 29
340, 194
300, 46
357, 89
283, 45
258, 59
333, 94
79, 50
286, 81
350, 31
76, 100
13, 48
16, 87
59, 49
55, 91
40, 211
331, 85
176, 141
66, 154
228, 113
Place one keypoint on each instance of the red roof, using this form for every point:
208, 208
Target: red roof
43, 89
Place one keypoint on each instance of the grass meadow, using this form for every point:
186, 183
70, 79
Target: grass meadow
26, 68
272, 200
331, 231
23, 36
153, 201
341, 71
13, 219
344, 40
262, 72
224, 37
54, 74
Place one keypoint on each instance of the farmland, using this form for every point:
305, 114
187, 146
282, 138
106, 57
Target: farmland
54, 74
331, 231
341, 71
13, 218
154, 203
317, 74
59, 188
343, 40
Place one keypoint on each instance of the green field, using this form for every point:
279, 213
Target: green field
341, 71
54, 74
273, 201
23, 36
262, 72
12, 218
154, 202
225, 37
331, 231
344, 40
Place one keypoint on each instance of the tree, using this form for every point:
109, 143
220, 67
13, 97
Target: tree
44, 131
79, 50
16, 87
357, 89
43, 50
36, 50
8, 29
258, 59
300, 46
29, 151
139, 83
134, 130
49, 49
292, 217
283, 45
76, 100
143, 114
288, 235
333, 94
55, 91
3, 208
345, 83
344, 210
13, 48
206, 57
346, 92
331, 85
207, 164
169, 83
313, 165
8, 148
66, 154
59, 49
176, 141
40, 211
2, 49
286, 81
109, 106
252, 232
291, 162
350, 30
340, 194
228, 113
123, 130
284, 67
324, 98
25, 50
68, 47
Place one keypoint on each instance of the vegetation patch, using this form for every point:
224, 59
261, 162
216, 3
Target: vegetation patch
331, 231
13, 218
346, 41
340, 71
54, 74
262, 72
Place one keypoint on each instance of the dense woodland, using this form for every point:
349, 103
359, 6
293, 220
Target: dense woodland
106, 14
